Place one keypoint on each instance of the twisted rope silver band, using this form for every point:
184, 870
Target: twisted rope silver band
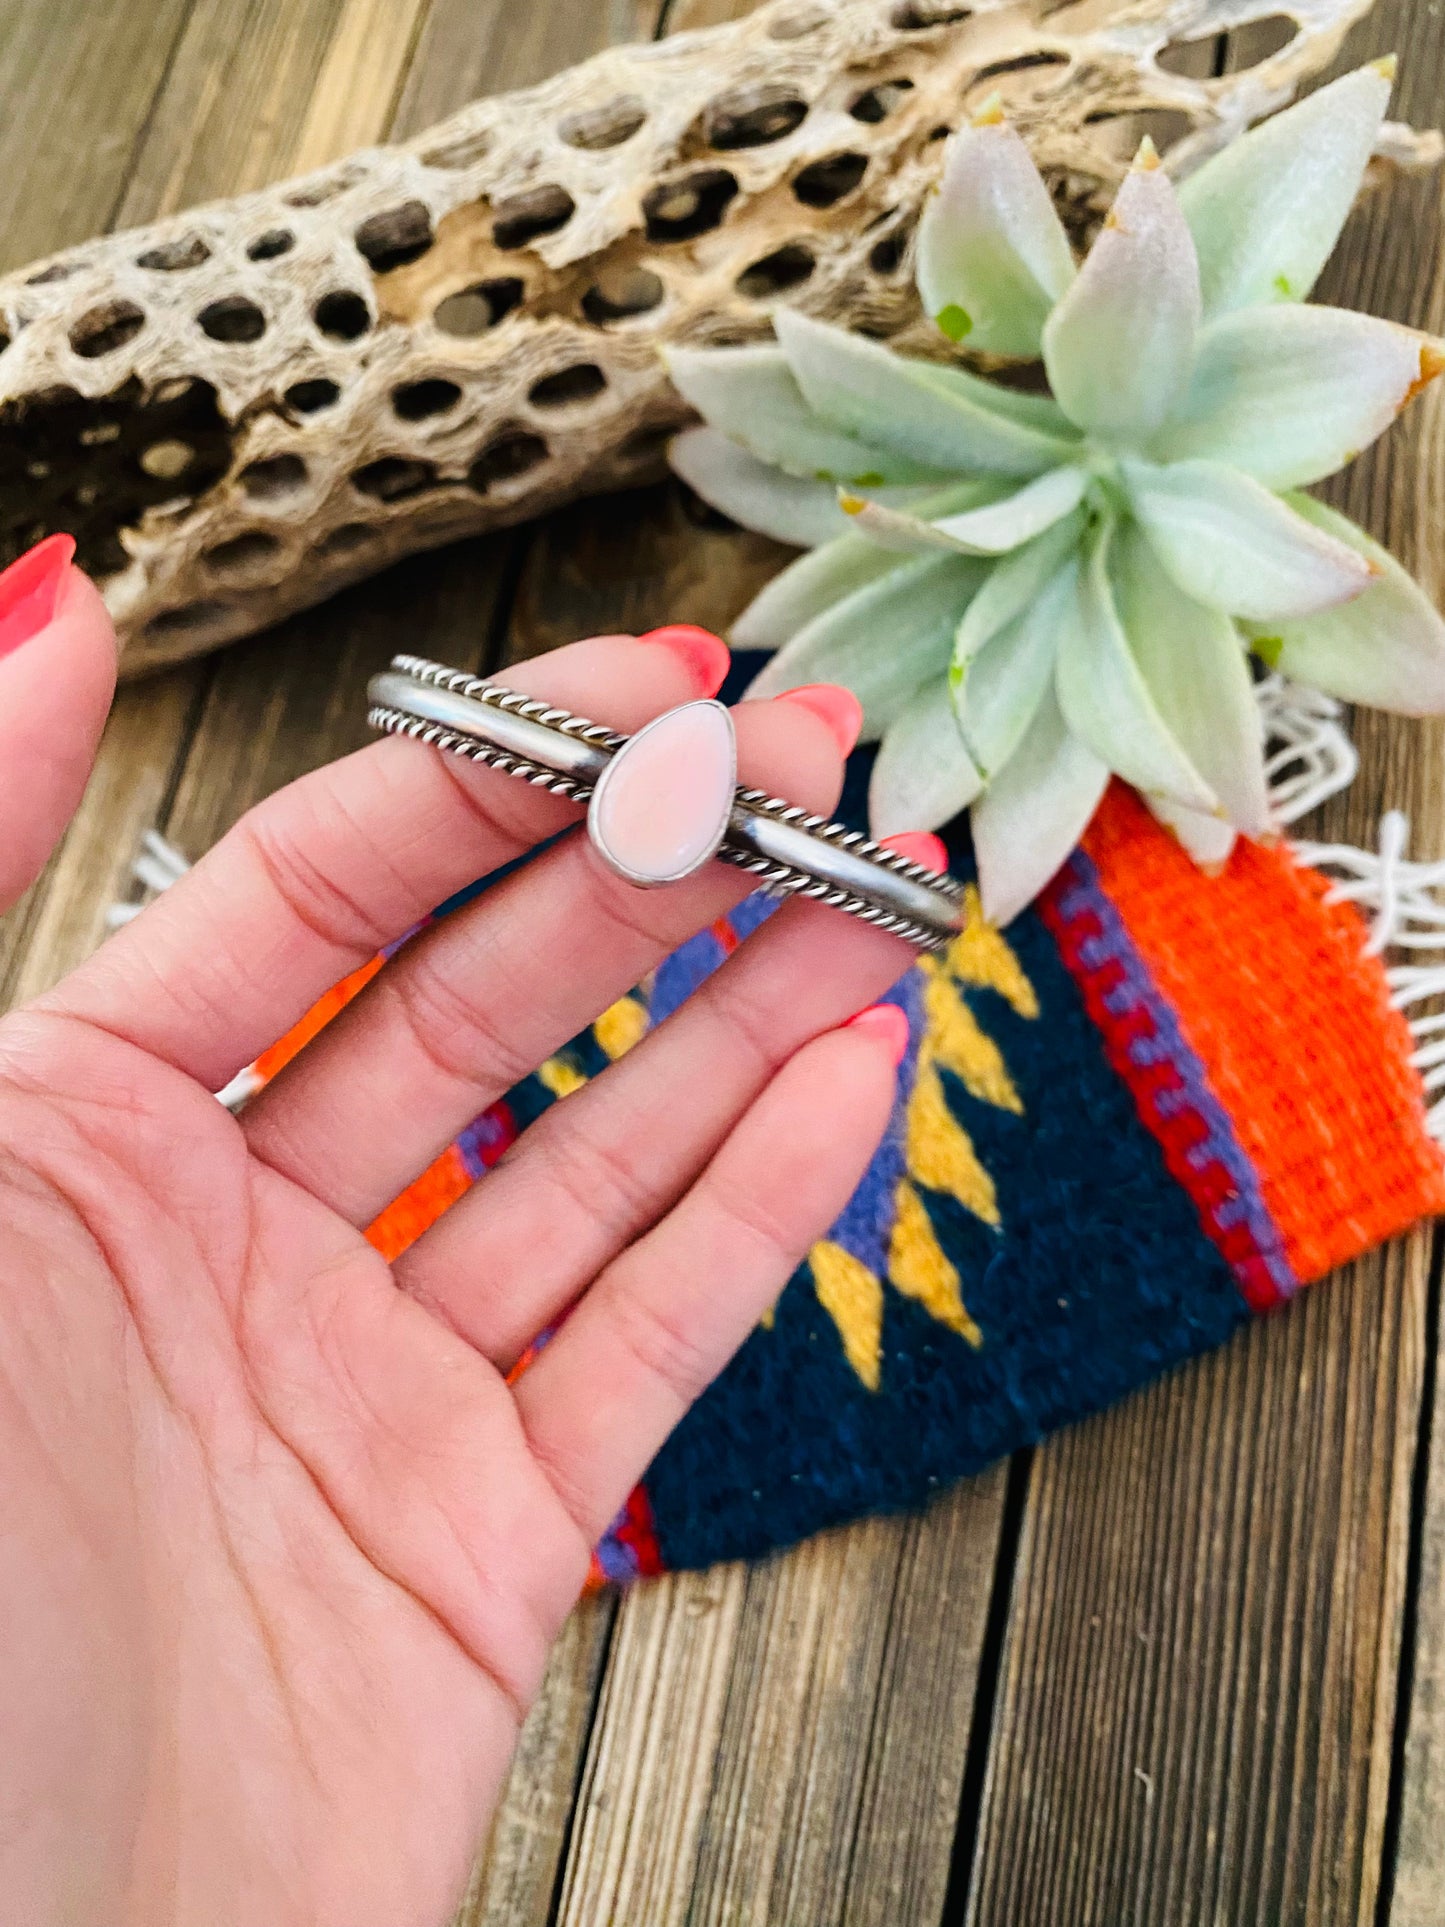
790, 851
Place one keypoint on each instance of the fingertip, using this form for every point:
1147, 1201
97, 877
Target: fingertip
705, 656
884, 1025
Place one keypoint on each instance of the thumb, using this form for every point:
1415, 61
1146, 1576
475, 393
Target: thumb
57, 677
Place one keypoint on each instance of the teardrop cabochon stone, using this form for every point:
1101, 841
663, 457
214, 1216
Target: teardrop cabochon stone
661, 807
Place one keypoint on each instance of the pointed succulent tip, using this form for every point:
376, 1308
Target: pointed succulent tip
1387, 66
1432, 363
1146, 159
989, 113
850, 504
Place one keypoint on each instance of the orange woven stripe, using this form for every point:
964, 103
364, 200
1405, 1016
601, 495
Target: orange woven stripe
316, 1019
1292, 1022
420, 1205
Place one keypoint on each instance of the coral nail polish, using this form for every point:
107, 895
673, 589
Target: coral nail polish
919, 846
30, 590
706, 656
885, 1022
838, 707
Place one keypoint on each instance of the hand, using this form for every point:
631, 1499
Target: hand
283, 1552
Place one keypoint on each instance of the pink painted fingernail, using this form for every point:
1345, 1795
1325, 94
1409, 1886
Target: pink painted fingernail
706, 656
885, 1022
30, 590
919, 846
838, 707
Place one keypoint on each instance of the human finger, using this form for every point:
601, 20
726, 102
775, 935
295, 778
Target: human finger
315, 880
57, 678
594, 1173
475, 1003
663, 1320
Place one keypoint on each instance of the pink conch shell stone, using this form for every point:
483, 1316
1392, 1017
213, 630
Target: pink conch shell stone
662, 804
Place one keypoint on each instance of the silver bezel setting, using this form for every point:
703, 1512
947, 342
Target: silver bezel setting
789, 850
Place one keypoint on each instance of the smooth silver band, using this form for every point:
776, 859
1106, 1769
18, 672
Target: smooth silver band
788, 849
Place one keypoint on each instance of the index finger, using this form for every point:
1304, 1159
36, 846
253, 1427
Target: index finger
315, 880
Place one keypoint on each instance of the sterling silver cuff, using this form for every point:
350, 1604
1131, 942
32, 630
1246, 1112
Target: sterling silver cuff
789, 850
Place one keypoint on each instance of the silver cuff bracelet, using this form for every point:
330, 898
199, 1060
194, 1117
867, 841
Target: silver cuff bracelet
789, 850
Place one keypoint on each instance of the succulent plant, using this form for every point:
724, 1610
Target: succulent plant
1029, 591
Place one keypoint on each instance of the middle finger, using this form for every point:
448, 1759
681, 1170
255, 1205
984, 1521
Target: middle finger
475, 1003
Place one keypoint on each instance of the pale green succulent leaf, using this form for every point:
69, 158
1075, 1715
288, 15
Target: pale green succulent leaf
1105, 699
1119, 347
1228, 542
808, 588
935, 416
997, 693
749, 395
991, 529
1266, 211
991, 249
1290, 394
1196, 670
1386, 648
1208, 839
1028, 820
923, 775
805, 513
1012, 584
884, 641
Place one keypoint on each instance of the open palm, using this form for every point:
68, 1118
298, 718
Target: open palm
284, 1552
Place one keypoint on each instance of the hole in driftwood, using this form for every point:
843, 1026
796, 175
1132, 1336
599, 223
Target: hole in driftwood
342, 314
879, 102
471, 311
828, 180
232, 318
392, 238
167, 460
508, 456
306, 397
752, 117
74, 463
318, 192
681, 210
344, 539
460, 152
273, 476
578, 383
527, 217
185, 621
57, 271
243, 555
276, 240
784, 268
597, 128
620, 292
100, 331
393, 477
415, 400
1019, 64
886, 255
914, 16
186, 251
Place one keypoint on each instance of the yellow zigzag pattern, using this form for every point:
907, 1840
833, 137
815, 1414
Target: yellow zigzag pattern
938, 1152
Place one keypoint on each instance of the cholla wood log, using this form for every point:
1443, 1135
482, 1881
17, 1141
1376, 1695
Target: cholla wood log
240, 409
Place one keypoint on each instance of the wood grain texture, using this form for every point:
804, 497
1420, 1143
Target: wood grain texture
79, 81
1201, 1669
786, 1742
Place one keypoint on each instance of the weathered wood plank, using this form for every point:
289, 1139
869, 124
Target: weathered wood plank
80, 79
1200, 1672
1419, 1870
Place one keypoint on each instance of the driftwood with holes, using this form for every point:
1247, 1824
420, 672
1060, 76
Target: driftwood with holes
241, 408
1181, 1666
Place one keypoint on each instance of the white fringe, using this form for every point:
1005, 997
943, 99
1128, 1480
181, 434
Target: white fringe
1308, 756
1406, 903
